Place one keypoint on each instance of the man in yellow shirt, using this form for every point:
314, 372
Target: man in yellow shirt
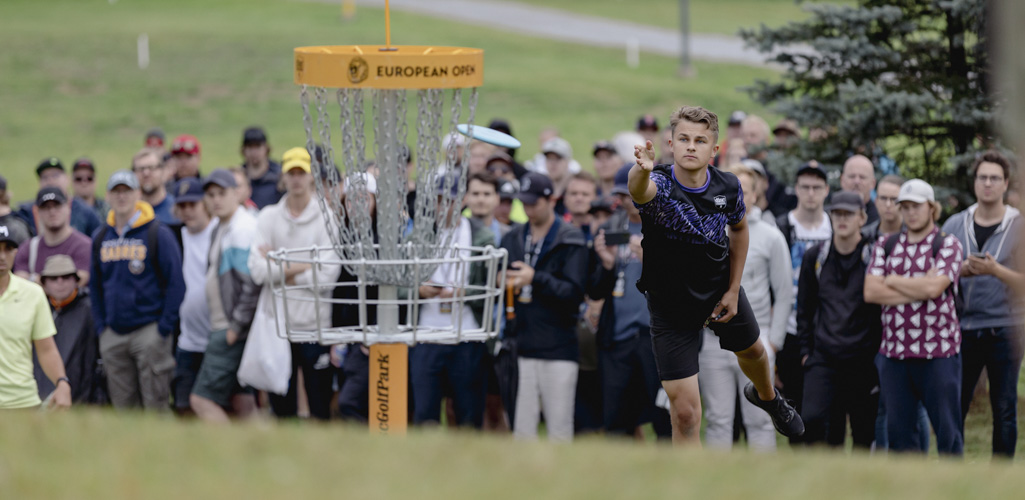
26, 321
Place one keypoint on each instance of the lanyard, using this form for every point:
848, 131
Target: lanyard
532, 252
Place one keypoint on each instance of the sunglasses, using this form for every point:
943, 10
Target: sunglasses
84, 179
183, 146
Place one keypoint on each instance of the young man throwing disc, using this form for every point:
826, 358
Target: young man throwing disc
695, 244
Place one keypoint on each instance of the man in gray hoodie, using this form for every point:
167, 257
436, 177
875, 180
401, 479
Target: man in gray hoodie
992, 313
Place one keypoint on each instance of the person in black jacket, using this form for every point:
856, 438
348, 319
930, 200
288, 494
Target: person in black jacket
838, 331
548, 273
76, 337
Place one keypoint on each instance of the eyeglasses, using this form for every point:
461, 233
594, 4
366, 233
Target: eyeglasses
69, 277
986, 179
83, 179
146, 168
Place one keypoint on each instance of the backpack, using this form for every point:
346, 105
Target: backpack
937, 243
820, 259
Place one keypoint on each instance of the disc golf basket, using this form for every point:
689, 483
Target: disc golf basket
383, 98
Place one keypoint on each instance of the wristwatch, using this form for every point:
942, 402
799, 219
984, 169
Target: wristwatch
63, 379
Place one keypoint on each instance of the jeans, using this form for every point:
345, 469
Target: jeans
354, 393
458, 368
936, 383
318, 376
999, 350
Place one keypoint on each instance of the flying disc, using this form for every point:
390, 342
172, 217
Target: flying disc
489, 135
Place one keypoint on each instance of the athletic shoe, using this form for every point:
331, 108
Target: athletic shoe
784, 417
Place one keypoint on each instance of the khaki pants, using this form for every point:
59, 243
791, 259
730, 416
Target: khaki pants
549, 387
139, 367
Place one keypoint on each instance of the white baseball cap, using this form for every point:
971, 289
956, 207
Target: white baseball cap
916, 191
361, 178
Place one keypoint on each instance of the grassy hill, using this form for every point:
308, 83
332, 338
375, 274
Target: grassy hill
72, 86
104, 455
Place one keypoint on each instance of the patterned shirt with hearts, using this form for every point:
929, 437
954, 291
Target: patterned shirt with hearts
921, 329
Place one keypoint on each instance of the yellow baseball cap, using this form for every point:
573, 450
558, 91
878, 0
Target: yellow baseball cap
295, 158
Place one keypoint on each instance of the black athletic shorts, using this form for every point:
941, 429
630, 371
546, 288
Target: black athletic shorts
676, 340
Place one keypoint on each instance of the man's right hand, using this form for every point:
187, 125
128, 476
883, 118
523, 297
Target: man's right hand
645, 156
606, 254
429, 291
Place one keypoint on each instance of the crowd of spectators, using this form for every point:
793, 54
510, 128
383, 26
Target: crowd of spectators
874, 314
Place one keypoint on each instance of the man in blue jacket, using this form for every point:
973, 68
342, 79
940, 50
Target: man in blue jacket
548, 272
991, 334
136, 291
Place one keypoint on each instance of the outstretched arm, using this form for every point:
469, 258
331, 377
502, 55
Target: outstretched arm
642, 190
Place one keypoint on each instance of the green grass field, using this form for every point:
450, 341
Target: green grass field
723, 17
72, 87
110, 456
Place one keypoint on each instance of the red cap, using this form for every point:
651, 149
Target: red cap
185, 143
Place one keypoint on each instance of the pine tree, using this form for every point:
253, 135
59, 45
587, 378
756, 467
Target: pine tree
905, 78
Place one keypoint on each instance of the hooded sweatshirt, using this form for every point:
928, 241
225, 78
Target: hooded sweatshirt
767, 275
125, 289
277, 228
988, 302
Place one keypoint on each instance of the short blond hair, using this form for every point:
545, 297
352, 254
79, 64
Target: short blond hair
144, 152
695, 114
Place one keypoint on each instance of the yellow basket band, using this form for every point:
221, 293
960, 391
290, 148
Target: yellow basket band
397, 67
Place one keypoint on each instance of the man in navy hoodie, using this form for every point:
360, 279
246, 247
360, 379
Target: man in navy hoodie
548, 271
136, 291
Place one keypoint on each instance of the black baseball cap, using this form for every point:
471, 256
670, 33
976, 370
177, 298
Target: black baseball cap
603, 146
812, 168
600, 205
507, 189
51, 162
848, 201
7, 235
647, 121
501, 126
534, 186
50, 194
254, 135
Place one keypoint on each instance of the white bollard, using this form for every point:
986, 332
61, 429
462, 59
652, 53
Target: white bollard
143, 46
633, 53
